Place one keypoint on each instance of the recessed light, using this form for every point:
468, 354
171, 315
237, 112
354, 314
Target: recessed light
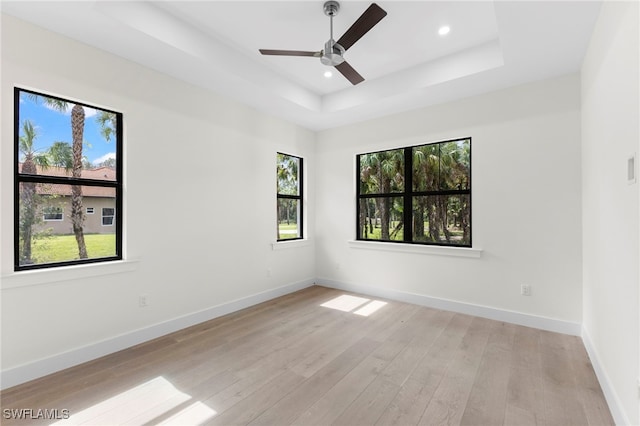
328, 74
444, 30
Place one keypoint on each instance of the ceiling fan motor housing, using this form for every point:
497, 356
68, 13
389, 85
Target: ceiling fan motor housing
332, 54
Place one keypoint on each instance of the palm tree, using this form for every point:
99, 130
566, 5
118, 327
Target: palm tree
381, 173
107, 122
28, 197
426, 161
77, 215
287, 172
61, 155
368, 185
77, 131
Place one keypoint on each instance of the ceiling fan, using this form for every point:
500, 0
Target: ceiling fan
333, 52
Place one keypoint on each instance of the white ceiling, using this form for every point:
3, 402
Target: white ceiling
406, 64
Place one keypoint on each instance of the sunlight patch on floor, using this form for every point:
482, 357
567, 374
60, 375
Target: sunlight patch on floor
370, 308
194, 414
142, 404
348, 303
345, 303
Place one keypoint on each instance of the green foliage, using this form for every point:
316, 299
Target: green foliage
434, 168
382, 172
57, 104
442, 166
26, 145
109, 162
376, 232
287, 174
107, 122
61, 155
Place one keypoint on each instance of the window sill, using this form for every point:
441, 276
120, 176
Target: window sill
416, 248
282, 245
65, 273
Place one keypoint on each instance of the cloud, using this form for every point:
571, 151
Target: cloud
104, 158
89, 112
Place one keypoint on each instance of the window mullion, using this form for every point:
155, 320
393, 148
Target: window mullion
407, 198
66, 180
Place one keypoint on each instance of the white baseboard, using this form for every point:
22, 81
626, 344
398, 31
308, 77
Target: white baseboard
33, 370
528, 320
610, 394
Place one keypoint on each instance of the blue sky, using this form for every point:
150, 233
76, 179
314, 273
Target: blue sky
54, 126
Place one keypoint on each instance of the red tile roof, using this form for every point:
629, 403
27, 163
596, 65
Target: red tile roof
100, 173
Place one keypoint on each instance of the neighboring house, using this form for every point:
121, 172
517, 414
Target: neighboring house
98, 203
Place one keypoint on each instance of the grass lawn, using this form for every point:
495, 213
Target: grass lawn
58, 248
376, 234
455, 234
287, 231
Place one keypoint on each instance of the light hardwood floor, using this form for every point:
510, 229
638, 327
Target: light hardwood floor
323, 356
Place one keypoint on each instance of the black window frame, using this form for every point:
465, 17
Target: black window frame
19, 178
299, 197
104, 216
408, 193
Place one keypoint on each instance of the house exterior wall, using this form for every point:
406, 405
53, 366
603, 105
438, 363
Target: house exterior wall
92, 222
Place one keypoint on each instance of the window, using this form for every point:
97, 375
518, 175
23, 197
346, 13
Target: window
289, 197
67, 154
52, 213
107, 216
419, 194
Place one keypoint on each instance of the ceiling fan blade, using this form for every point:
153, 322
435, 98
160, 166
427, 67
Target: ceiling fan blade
363, 24
351, 74
290, 53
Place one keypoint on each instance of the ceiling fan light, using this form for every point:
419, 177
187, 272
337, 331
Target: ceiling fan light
444, 30
328, 74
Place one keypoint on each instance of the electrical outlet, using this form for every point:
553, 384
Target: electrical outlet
143, 301
525, 290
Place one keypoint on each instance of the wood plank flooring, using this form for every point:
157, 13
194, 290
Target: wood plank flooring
323, 356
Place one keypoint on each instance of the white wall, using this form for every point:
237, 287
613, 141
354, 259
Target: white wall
526, 203
182, 147
610, 111
200, 206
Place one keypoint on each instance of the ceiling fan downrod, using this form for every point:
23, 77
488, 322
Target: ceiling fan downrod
332, 53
